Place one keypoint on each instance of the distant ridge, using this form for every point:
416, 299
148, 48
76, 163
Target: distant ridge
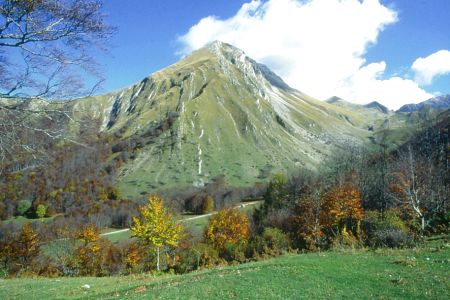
378, 106
334, 99
440, 102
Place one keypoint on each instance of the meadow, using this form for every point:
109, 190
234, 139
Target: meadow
418, 273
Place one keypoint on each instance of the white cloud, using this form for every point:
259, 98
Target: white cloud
392, 92
427, 68
317, 46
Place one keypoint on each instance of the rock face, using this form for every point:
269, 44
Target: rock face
440, 102
218, 112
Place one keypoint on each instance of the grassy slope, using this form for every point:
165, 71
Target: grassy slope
386, 274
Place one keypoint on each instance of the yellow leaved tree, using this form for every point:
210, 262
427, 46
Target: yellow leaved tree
156, 226
228, 226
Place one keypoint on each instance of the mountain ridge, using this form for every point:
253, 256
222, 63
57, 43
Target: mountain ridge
439, 102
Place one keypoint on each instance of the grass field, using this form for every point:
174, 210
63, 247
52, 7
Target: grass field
384, 274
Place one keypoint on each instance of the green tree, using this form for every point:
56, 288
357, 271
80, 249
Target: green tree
156, 227
41, 211
23, 206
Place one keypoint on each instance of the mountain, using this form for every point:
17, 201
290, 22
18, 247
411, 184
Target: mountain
440, 102
377, 106
218, 113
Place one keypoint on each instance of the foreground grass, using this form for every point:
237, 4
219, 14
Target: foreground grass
387, 274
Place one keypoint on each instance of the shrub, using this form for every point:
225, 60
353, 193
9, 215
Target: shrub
188, 260
209, 256
276, 240
208, 205
234, 252
387, 230
393, 238
440, 223
23, 206
256, 247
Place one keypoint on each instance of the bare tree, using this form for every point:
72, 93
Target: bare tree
46, 52
413, 182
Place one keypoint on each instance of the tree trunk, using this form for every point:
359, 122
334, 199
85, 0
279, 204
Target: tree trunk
157, 259
423, 223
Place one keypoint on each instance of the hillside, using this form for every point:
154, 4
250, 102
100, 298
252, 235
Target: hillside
218, 112
419, 273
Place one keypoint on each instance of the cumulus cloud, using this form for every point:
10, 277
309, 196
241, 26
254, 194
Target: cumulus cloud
427, 68
393, 92
317, 46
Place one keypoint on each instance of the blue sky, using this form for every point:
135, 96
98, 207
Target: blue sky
368, 50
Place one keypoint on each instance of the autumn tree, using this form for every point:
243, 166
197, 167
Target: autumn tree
26, 246
341, 208
307, 222
156, 227
133, 257
6, 251
228, 226
88, 254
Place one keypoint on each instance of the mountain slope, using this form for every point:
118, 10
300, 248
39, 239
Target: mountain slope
218, 112
440, 102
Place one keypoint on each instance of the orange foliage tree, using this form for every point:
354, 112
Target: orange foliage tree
88, 254
26, 247
229, 226
306, 221
341, 207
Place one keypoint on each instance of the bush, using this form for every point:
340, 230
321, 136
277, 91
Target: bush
209, 256
23, 206
440, 223
256, 247
392, 238
234, 253
387, 231
208, 205
276, 240
188, 260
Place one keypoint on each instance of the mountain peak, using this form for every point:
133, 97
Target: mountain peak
227, 54
378, 106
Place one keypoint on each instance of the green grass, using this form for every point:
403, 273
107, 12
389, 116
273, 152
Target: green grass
386, 274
